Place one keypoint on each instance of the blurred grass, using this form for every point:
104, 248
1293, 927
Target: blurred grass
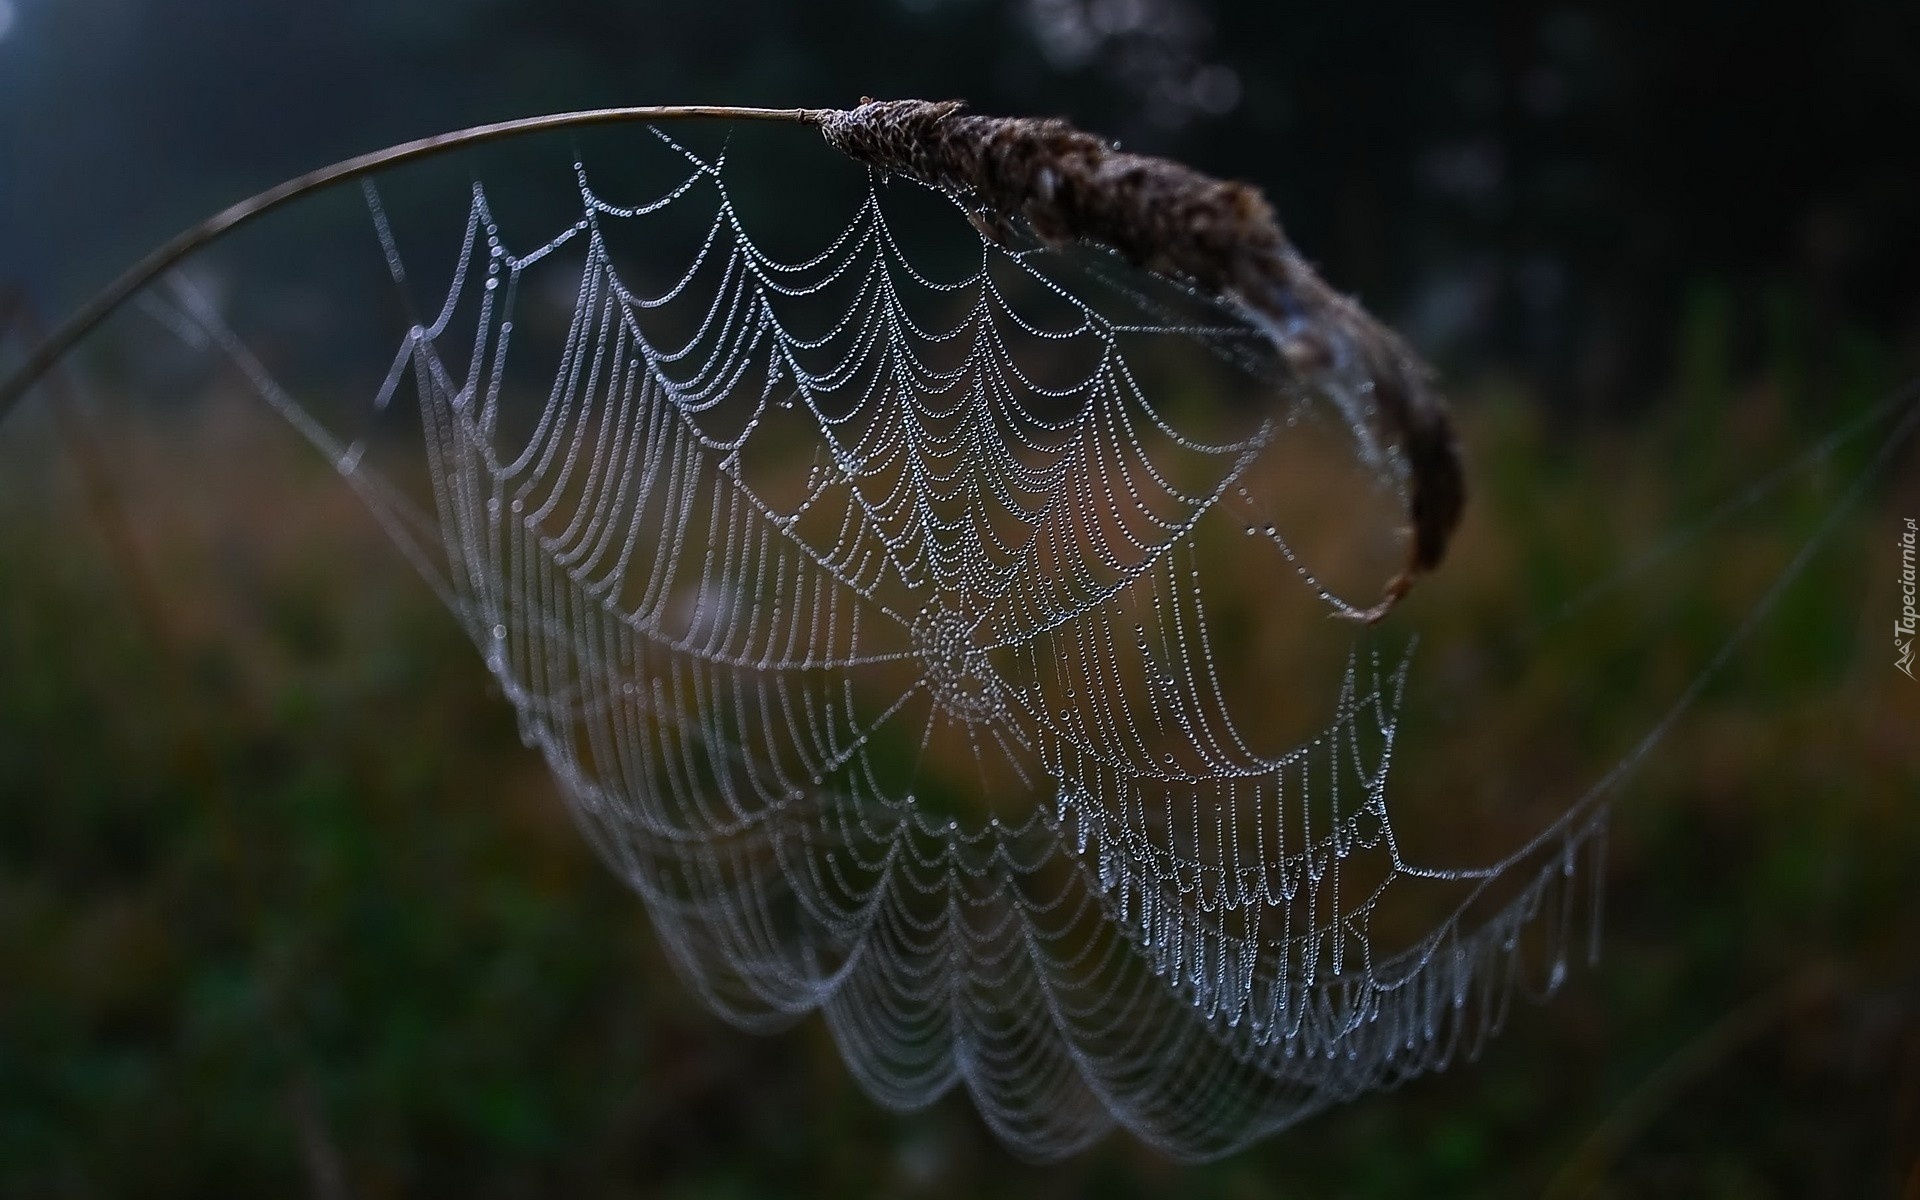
286, 908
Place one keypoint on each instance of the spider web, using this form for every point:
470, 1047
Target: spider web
889, 631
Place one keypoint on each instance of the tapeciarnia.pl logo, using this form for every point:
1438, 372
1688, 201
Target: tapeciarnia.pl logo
1903, 628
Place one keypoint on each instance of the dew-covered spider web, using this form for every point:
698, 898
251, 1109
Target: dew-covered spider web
930, 626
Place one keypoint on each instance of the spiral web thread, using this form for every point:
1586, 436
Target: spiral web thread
927, 732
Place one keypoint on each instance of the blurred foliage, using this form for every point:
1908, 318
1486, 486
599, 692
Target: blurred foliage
286, 908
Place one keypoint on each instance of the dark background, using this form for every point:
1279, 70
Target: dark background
285, 908
1542, 187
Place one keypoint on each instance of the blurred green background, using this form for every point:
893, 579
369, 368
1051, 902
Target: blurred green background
286, 908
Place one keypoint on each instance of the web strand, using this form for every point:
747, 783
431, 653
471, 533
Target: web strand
870, 622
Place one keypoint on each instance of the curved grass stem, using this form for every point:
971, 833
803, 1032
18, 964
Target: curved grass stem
108, 300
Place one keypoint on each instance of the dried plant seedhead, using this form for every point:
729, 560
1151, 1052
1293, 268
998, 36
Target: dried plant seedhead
1072, 186
1220, 235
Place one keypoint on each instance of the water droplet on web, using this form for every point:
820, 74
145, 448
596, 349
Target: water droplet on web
691, 654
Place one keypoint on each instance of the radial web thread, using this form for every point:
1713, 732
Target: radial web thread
867, 621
